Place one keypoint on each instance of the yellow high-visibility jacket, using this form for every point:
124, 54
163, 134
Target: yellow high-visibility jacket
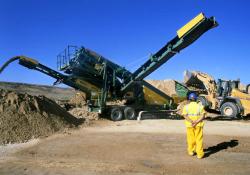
194, 111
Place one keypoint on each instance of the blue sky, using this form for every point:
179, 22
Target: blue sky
125, 31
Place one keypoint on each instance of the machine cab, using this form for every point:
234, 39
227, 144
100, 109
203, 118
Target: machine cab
225, 87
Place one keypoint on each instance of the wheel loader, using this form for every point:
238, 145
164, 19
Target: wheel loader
223, 96
103, 80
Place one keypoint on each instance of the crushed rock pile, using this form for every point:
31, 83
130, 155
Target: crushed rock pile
82, 112
77, 106
78, 100
166, 86
23, 117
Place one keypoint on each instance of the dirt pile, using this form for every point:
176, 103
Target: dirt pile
78, 100
23, 117
77, 106
82, 112
167, 86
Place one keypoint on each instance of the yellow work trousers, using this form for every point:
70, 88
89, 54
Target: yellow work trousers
195, 140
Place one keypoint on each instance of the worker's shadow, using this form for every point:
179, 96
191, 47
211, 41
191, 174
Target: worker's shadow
219, 147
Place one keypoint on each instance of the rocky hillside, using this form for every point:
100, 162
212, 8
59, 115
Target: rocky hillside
52, 92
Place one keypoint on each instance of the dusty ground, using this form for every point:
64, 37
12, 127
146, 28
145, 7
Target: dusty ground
154, 147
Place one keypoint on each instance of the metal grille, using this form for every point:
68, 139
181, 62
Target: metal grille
64, 58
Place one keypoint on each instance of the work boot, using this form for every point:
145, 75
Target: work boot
191, 153
200, 156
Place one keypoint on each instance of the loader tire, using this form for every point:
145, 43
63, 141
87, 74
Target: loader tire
129, 113
229, 109
116, 114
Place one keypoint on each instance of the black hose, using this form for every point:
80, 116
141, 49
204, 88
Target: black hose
8, 62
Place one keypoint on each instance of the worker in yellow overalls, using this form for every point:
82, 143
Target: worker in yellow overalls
194, 115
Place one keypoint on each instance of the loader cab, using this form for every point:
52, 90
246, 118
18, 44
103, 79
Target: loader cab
248, 89
225, 87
